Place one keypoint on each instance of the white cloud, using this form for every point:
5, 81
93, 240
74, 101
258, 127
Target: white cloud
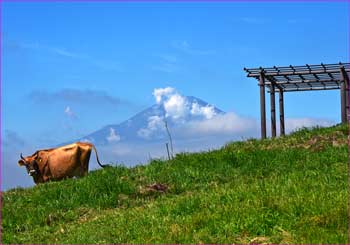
104, 64
68, 111
207, 111
177, 109
176, 106
155, 124
185, 46
160, 93
222, 124
113, 136
292, 124
76, 96
189, 119
64, 52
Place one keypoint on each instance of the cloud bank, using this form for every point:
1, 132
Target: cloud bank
222, 124
68, 95
108, 65
177, 106
69, 113
113, 136
12, 139
188, 118
293, 124
184, 46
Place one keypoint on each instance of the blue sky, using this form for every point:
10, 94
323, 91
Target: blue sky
127, 49
71, 68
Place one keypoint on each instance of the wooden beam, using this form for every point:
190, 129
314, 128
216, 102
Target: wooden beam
302, 81
346, 79
281, 107
262, 105
272, 80
283, 73
343, 95
273, 111
343, 102
307, 89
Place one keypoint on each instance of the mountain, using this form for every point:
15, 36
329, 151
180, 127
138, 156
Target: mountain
149, 124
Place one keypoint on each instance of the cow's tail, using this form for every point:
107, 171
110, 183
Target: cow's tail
98, 160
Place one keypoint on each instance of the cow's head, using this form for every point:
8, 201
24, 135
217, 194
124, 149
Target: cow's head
31, 164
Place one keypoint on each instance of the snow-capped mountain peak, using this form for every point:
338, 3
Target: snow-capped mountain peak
149, 124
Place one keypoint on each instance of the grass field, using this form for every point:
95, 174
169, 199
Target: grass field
286, 190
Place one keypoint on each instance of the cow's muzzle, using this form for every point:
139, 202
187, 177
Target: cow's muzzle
31, 172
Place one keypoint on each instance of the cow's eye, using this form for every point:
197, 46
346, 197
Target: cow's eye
39, 159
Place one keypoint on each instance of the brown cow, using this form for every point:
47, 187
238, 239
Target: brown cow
59, 163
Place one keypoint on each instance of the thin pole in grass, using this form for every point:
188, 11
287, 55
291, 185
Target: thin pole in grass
167, 149
149, 157
170, 139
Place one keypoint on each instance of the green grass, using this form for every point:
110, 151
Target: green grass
286, 190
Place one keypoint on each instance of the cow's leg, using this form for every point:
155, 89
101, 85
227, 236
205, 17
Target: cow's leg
80, 169
46, 178
84, 158
86, 162
46, 174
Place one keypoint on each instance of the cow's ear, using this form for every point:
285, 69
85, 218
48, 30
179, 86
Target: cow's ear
21, 162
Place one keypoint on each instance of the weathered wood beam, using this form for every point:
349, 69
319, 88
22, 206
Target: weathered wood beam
273, 111
343, 102
308, 89
347, 95
281, 109
272, 80
304, 72
262, 105
344, 95
301, 81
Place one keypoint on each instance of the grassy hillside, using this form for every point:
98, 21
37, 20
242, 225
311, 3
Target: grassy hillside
286, 190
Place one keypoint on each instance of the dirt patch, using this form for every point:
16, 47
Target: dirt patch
157, 187
154, 188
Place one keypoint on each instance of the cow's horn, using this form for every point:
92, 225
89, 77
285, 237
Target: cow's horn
22, 157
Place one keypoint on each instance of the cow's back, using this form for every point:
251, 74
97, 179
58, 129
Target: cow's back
68, 161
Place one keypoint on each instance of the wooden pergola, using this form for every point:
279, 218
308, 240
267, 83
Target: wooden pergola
299, 78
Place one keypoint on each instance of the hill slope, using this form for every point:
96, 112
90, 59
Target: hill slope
286, 190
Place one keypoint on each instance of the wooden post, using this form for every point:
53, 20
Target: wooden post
273, 111
345, 80
344, 95
347, 94
281, 105
347, 90
262, 105
343, 102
